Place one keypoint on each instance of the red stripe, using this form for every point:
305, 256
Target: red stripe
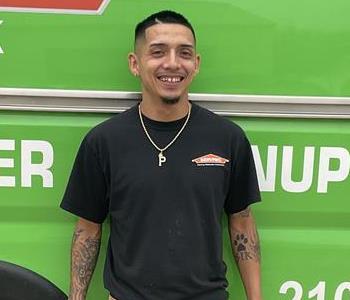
54, 4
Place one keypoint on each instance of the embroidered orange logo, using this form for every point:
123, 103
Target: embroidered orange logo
210, 160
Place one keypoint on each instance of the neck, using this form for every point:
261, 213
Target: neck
164, 112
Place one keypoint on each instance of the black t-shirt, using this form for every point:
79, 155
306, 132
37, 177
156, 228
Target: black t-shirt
165, 239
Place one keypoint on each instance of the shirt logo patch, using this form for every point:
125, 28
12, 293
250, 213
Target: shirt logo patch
210, 160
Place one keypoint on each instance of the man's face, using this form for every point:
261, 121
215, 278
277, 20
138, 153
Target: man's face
166, 61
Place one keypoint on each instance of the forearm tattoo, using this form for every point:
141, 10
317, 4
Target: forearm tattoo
246, 244
85, 251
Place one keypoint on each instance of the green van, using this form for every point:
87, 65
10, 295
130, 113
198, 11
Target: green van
280, 69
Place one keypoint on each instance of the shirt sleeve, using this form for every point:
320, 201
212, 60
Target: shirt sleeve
86, 192
244, 188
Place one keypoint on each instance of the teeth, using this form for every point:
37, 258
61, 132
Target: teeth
170, 79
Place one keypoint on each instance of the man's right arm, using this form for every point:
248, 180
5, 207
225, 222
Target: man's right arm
85, 249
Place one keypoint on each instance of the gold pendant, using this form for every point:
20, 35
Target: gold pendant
161, 159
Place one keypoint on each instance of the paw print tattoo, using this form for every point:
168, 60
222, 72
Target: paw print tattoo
241, 251
240, 242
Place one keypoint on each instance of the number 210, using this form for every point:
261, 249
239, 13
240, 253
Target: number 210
319, 290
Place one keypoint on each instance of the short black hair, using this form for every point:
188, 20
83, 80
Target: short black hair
164, 16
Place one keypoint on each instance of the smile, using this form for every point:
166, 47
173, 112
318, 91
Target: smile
170, 79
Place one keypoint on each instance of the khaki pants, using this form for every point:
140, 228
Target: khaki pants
111, 298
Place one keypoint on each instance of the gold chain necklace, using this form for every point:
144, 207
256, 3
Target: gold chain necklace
161, 157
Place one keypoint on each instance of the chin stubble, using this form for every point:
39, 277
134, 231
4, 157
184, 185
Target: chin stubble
171, 100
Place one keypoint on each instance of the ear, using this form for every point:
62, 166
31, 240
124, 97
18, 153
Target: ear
133, 64
198, 63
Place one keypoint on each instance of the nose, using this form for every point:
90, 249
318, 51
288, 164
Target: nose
171, 61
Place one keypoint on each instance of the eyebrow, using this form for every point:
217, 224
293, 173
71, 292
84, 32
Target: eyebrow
163, 44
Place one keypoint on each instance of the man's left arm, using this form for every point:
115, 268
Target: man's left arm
246, 251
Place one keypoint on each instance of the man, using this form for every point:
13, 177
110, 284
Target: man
164, 171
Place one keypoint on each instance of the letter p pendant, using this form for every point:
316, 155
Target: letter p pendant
161, 159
